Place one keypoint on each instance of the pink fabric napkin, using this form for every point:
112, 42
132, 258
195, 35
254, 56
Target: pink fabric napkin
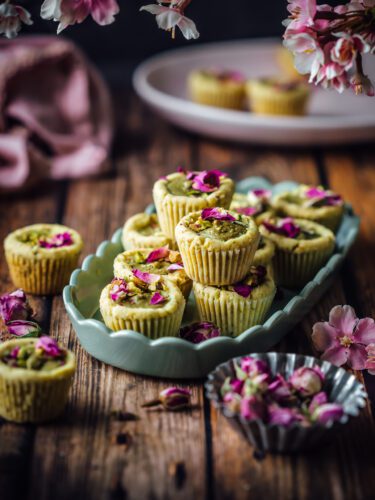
55, 112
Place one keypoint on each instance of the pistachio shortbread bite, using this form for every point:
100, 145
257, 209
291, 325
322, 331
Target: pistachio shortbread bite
183, 192
147, 303
35, 378
235, 308
255, 203
162, 261
302, 248
217, 246
264, 253
143, 231
42, 257
312, 203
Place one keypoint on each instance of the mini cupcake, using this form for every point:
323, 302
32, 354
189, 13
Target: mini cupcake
146, 303
272, 96
264, 253
223, 89
312, 203
235, 308
35, 378
302, 248
161, 261
42, 257
256, 204
183, 192
217, 246
143, 231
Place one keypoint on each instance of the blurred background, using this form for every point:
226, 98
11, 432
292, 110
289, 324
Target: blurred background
135, 36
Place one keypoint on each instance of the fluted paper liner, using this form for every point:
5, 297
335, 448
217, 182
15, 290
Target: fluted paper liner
33, 396
342, 388
232, 316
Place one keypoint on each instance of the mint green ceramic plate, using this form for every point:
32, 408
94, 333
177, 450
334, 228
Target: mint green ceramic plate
173, 357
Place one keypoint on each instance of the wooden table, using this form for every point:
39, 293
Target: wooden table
92, 453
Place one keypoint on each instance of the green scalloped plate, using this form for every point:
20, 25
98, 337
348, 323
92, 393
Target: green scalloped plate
173, 357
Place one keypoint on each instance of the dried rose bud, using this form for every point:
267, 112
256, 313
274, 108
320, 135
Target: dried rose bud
327, 413
199, 332
21, 328
283, 416
14, 306
49, 346
253, 408
279, 389
307, 381
171, 398
233, 402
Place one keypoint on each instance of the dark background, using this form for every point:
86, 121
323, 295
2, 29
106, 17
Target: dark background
134, 35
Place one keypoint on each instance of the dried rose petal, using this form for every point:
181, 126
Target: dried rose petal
158, 254
119, 289
253, 408
318, 400
283, 416
146, 277
280, 389
175, 398
157, 298
320, 195
49, 346
22, 328
249, 211
217, 214
261, 193
285, 227
207, 180
14, 352
175, 267
327, 413
199, 332
307, 381
243, 290
14, 306
57, 241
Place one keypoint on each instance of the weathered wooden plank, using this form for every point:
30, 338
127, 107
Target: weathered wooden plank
16, 441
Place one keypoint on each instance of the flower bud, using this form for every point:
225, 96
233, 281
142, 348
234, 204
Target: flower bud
22, 328
307, 381
328, 412
283, 416
253, 408
175, 398
14, 306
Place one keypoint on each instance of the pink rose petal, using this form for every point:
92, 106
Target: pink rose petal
49, 346
365, 331
261, 193
357, 357
199, 332
243, 290
57, 241
249, 211
285, 227
157, 298
324, 336
146, 277
21, 328
175, 267
343, 318
338, 356
217, 214
158, 254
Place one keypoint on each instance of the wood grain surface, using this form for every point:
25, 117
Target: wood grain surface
105, 446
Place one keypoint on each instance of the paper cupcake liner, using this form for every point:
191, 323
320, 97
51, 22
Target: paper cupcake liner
153, 328
277, 104
170, 211
185, 288
139, 241
232, 317
217, 267
231, 98
33, 400
43, 276
343, 388
294, 270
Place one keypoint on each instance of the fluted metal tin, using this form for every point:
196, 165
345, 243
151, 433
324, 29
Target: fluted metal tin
341, 386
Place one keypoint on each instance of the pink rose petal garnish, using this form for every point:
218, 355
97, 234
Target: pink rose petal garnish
217, 214
14, 306
285, 227
175, 267
207, 181
328, 197
243, 290
57, 241
22, 328
119, 289
49, 346
158, 254
283, 416
199, 332
157, 298
146, 277
14, 352
249, 211
261, 193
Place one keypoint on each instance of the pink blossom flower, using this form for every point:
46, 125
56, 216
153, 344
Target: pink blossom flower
22, 328
168, 18
285, 227
11, 18
158, 254
157, 298
14, 306
370, 361
346, 49
199, 332
69, 12
148, 278
175, 398
343, 339
307, 381
302, 14
308, 54
49, 346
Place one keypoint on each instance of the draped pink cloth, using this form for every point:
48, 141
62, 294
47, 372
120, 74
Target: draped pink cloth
55, 112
